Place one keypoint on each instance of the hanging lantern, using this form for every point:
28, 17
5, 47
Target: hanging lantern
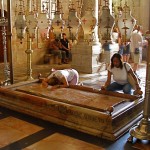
20, 22
43, 25
73, 24
88, 24
57, 24
126, 23
106, 22
20, 25
31, 23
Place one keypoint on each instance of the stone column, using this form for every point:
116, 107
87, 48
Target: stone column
144, 12
85, 56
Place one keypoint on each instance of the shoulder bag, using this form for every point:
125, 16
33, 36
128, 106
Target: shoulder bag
130, 78
136, 51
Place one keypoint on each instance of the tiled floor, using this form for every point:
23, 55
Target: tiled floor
22, 132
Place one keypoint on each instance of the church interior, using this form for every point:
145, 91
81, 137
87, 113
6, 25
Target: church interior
80, 116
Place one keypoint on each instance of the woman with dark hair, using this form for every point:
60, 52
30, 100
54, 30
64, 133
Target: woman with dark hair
61, 78
119, 72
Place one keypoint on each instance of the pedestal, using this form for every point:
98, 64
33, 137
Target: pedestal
85, 58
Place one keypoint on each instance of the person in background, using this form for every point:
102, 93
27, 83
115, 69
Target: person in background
115, 34
61, 78
55, 47
118, 72
124, 49
66, 46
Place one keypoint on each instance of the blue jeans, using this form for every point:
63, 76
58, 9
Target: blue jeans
115, 86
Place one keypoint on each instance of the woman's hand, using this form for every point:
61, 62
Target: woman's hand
44, 83
103, 87
138, 92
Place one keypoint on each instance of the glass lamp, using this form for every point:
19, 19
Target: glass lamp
126, 23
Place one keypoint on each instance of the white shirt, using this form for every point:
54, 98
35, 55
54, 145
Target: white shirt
136, 40
120, 75
68, 73
114, 36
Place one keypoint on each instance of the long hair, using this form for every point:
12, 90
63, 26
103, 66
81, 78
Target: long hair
118, 56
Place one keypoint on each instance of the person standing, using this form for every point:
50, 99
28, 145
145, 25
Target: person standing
136, 47
124, 49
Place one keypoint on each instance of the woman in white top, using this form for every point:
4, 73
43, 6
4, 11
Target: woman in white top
61, 78
119, 73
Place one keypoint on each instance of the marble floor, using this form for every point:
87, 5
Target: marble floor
23, 132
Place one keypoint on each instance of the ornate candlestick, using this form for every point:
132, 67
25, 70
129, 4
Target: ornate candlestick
29, 52
31, 23
3, 24
31, 27
142, 130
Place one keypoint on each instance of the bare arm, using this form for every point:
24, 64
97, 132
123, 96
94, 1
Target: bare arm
135, 78
45, 82
108, 80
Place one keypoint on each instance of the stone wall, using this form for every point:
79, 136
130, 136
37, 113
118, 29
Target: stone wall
39, 45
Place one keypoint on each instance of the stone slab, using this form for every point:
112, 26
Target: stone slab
81, 108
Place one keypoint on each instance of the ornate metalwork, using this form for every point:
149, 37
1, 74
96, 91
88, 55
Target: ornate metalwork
142, 130
31, 22
126, 23
3, 24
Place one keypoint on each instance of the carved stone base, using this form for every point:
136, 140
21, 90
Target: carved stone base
85, 58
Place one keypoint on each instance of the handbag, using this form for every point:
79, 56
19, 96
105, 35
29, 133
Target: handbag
136, 51
130, 78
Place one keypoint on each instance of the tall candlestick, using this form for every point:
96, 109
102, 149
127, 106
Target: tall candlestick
2, 8
142, 130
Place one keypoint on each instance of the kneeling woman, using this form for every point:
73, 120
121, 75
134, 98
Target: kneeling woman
118, 70
61, 78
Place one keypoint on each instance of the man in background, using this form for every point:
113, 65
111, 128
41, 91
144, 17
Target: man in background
66, 46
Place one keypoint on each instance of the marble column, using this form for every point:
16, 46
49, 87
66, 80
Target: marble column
85, 55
